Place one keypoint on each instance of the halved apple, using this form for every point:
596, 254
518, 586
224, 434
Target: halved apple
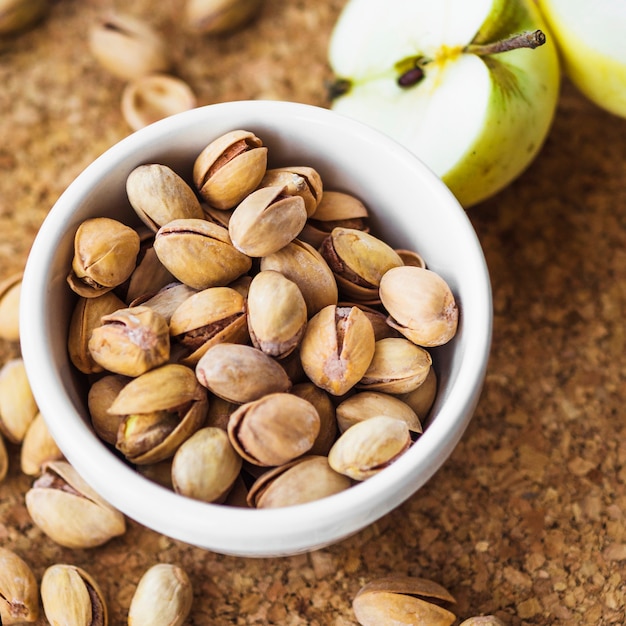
456, 81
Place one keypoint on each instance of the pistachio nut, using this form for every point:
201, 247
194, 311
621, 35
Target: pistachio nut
19, 593
105, 254
70, 595
159, 195
482, 620
229, 168
266, 220
148, 99
274, 429
403, 600
325, 408
200, 253
359, 260
299, 180
100, 397
148, 277
206, 465
167, 299
217, 17
128, 47
69, 511
420, 304
369, 446
304, 480
210, 316
421, 399
86, 316
130, 341
10, 291
19, 15
38, 447
4, 459
160, 409
336, 208
240, 373
337, 348
18, 407
304, 265
365, 404
277, 313
398, 366
163, 597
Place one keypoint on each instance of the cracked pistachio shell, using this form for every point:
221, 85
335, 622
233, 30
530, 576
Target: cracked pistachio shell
18, 15
159, 195
303, 480
86, 316
217, 17
398, 366
369, 446
200, 253
229, 168
70, 595
325, 408
206, 465
163, 597
420, 304
69, 511
100, 397
266, 221
19, 592
240, 373
148, 99
17, 403
10, 292
298, 180
359, 260
337, 348
130, 341
421, 399
403, 600
160, 409
4, 459
38, 447
365, 404
167, 299
304, 265
336, 208
274, 429
211, 316
105, 254
127, 47
277, 313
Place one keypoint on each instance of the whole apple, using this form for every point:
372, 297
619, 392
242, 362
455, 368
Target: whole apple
469, 86
591, 38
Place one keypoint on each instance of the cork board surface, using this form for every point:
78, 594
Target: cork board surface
526, 520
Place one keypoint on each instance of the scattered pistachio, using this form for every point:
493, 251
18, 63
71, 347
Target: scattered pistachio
38, 447
17, 403
217, 17
10, 291
19, 594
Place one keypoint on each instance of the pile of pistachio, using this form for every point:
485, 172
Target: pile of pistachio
251, 342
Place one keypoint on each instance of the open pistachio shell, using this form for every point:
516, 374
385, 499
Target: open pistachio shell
69, 511
19, 593
300, 180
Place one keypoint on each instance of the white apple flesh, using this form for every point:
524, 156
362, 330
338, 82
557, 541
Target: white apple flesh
477, 120
591, 38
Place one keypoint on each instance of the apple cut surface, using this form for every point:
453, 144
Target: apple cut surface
591, 38
477, 120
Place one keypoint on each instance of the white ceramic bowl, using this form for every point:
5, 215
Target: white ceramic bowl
411, 208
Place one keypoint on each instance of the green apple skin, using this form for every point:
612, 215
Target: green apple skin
476, 121
591, 39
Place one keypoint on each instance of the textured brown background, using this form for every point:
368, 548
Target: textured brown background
526, 519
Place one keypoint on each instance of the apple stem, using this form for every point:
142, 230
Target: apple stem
526, 39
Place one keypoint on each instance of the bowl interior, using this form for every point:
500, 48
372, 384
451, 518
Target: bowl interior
410, 208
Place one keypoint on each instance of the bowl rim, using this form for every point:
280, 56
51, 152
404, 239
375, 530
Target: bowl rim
221, 527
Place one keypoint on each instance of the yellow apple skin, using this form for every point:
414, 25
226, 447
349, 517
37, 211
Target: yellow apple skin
591, 39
